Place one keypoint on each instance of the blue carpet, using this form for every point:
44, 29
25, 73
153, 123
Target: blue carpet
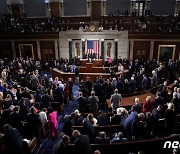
48, 144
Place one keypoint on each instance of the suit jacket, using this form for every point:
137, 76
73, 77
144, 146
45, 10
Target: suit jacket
59, 94
34, 122
15, 121
154, 80
144, 83
13, 142
89, 129
88, 85
93, 100
130, 124
82, 104
98, 140
159, 101
46, 101
137, 108
116, 119
115, 100
82, 145
132, 86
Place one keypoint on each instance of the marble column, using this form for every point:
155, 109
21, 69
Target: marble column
56, 49
103, 7
83, 48
116, 50
151, 50
38, 50
61, 8
131, 50
70, 50
88, 7
102, 49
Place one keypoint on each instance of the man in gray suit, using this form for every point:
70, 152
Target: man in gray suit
93, 100
115, 100
154, 79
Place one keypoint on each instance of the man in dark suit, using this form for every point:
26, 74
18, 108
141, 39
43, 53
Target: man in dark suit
158, 100
82, 144
118, 138
46, 100
137, 106
88, 85
15, 119
130, 124
132, 85
61, 147
34, 124
12, 140
82, 103
102, 139
89, 129
144, 82
5, 116
59, 94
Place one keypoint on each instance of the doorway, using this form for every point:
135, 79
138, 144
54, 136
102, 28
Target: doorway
139, 7
26, 51
47, 55
140, 54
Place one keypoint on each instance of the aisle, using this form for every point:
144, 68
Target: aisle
48, 144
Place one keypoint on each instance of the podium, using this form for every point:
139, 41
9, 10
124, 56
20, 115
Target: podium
95, 62
87, 67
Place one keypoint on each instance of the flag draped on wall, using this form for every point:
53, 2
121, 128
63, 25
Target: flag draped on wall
93, 48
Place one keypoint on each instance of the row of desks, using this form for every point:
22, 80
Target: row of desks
92, 76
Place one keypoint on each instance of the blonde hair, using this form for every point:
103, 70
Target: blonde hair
171, 106
122, 111
148, 98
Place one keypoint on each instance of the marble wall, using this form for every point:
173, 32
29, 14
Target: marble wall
107, 36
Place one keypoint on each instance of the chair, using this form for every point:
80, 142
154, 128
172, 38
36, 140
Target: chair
33, 144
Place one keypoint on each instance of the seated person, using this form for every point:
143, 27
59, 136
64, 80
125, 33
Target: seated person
115, 119
61, 146
102, 118
92, 120
76, 117
102, 139
118, 138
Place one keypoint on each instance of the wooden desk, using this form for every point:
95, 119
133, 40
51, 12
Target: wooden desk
95, 62
65, 75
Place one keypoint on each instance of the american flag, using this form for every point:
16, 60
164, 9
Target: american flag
93, 47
